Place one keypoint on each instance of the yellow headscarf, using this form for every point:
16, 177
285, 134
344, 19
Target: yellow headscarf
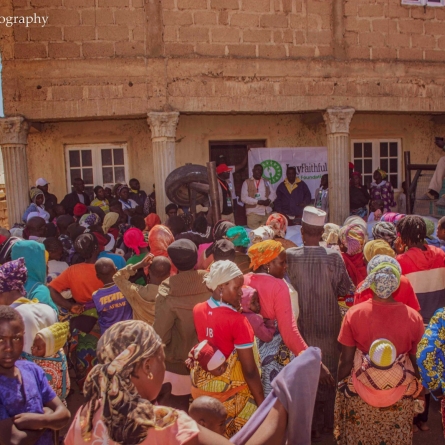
264, 252
377, 247
109, 221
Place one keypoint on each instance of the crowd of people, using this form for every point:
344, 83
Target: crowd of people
203, 332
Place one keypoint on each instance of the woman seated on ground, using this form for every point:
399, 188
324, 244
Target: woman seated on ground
100, 200
37, 205
377, 369
278, 223
129, 374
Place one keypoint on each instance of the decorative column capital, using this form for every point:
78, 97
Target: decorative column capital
337, 119
13, 130
163, 124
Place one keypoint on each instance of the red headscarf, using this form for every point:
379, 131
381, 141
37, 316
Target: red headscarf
159, 239
152, 220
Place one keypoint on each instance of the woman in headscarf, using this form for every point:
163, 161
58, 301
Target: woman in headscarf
358, 196
219, 321
404, 294
128, 205
377, 370
278, 302
381, 189
330, 236
352, 240
205, 250
151, 220
238, 236
37, 205
385, 231
129, 374
278, 223
110, 224
159, 238
89, 221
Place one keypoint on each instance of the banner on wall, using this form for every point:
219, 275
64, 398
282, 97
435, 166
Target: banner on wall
311, 164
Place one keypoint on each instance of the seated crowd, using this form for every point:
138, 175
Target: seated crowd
203, 332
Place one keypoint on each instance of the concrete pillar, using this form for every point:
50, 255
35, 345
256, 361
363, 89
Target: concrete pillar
13, 141
337, 121
163, 135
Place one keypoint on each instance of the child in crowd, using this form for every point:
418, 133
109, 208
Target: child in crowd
209, 358
376, 210
441, 232
47, 352
321, 196
210, 413
25, 389
263, 329
54, 247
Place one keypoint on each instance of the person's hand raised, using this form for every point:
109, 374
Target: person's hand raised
146, 262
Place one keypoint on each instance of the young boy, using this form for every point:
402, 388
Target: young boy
210, 413
25, 390
111, 305
376, 210
56, 266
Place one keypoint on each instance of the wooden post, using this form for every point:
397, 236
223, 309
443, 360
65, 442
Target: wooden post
214, 191
407, 156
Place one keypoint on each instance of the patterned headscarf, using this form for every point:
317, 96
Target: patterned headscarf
13, 276
377, 247
221, 228
382, 173
353, 238
126, 415
120, 188
221, 272
238, 236
278, 223
89, 219
110, 220
383, 276
263, 233
330, 234
34, 192
159, 239
264, 252
385, 231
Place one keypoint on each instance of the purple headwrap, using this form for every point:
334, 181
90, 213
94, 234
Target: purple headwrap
13, 276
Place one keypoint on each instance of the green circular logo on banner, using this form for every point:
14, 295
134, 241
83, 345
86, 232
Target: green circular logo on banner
272, 170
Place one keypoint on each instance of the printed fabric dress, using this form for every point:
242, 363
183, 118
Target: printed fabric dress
431, 357
385, 192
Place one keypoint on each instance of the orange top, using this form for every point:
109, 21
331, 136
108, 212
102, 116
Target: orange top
80, 279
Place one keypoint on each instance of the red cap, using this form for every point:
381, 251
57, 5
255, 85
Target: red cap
351, 166
222, 168
206, 355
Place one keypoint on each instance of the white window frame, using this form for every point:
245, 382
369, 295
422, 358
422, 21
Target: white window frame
423, 3
97, 161
376, 155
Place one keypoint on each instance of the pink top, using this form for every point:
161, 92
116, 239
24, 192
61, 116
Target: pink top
179, 433
276, 305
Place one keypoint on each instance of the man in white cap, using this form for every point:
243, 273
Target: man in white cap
319, 276
50, 199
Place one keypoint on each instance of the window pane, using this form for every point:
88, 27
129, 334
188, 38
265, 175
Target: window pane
358, 166
89, 190
367, 166
394, 180
118, 154
87, 158
74, 158
106, 157
393, 165
107, 175
384, 149
393, 151
357, 150
75, 173
367, 179
87, 175
384, 164
368, 150
119, 173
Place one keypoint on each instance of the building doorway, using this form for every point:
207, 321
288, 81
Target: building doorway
235, 152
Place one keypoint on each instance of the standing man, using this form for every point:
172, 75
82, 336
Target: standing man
293, 195
319, 276
76, 196
258, 195
136, 194
225, 192
50, 199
